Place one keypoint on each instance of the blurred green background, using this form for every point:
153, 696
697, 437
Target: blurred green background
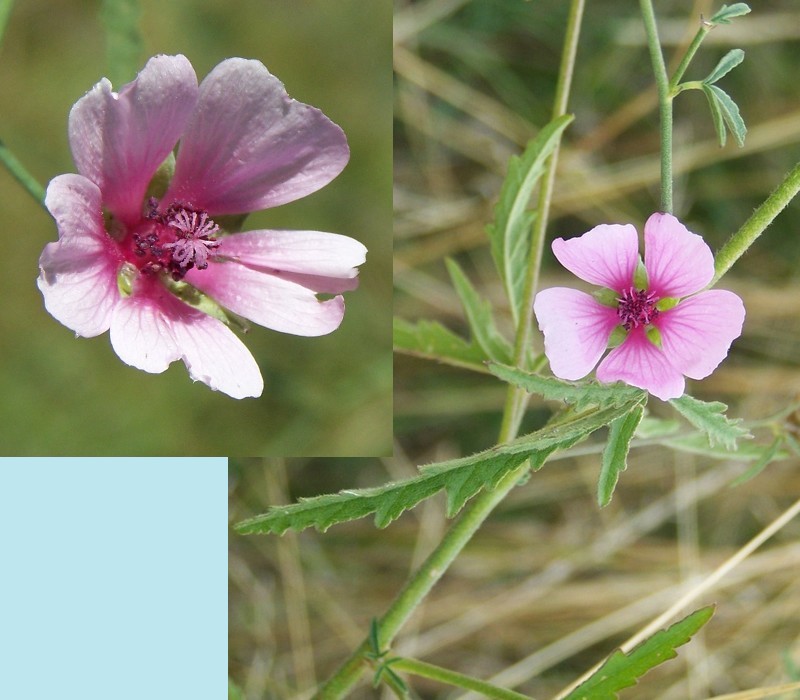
323, 396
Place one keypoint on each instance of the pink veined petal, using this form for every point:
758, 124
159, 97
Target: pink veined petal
576, 330
606, 256
697, 334
119, 140
268, 300
78, 273
678, 262
250, 146
304, 252
640, 363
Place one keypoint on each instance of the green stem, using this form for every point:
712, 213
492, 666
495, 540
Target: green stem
516, 398
762, 217
705, 28
21, 175
437, 673
421, 583
664, 102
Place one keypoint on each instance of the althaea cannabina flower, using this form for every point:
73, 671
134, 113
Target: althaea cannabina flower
141, 254
669, 329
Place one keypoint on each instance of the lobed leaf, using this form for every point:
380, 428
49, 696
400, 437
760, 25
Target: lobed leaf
580, 395
479, 316
615, 453
433, 341
698, 444
509, 233
461, 479
711, 419
726, 64
725, 14
621, 670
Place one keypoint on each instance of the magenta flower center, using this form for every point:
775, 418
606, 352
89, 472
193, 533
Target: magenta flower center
174, 241
637, 307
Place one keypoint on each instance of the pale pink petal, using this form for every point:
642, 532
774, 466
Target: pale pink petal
304, 252
678, 262
697, 334
606, 256
576, 330
267, 299
640, 363
119, 140
78, 273
250, 146
152, 329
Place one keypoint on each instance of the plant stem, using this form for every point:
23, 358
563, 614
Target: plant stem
705, 28
437, 673
664, 102
762, 217
21, 175
421, 582
516, 398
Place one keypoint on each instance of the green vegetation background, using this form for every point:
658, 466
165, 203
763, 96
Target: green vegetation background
326, 396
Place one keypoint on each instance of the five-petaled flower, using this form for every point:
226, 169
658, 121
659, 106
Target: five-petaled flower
143, 251
669, 328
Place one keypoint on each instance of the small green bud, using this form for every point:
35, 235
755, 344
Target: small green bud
617, 337
640, 280
667, 303
653, 335
606, 297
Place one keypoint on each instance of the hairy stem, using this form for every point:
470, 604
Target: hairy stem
664, 102
762, 217
21, 175
516, 398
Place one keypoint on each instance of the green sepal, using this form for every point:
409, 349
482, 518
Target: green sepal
667, 303
230, 223
606, 297
202, 302
653, 335
125, 276
160, 181
113, 226
617, 337
640, 280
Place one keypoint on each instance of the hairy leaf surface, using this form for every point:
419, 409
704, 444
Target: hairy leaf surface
711, 419
615, 454
433, 341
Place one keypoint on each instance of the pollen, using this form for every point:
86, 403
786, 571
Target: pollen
637, 307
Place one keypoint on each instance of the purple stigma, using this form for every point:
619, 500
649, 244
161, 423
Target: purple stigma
637, 307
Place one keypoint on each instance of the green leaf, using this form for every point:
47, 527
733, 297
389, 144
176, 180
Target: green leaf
433, 341
726, 64
621, 670
509, 233
123, 40
479, 316
716, 115
725, 14
615, 454
698, 444
711, 419
771, 453
461, 479
651, 427
730, 113
580, 395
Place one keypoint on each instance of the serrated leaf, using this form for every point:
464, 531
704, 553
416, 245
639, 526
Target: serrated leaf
711, 419
433, 341
615, 454
461, 478
716, 115
771, 453
623, 670
698, 444
726, 64
651, 427
730, 113
479, 316
510, 231
123, 40
725, 14
581, 395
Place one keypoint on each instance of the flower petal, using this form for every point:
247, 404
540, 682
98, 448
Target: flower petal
678, 262
250, 146
119, 140
607, 255
267, 299
152, 329
697, 334
78, 273
576, 330
640, 363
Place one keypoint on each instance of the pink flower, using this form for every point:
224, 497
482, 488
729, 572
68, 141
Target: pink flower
146, 256
670, 327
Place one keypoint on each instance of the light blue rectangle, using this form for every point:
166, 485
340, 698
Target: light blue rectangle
113, 578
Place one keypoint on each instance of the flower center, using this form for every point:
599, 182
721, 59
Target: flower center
176, 240
637, 307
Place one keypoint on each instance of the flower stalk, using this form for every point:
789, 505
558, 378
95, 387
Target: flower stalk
21, 175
